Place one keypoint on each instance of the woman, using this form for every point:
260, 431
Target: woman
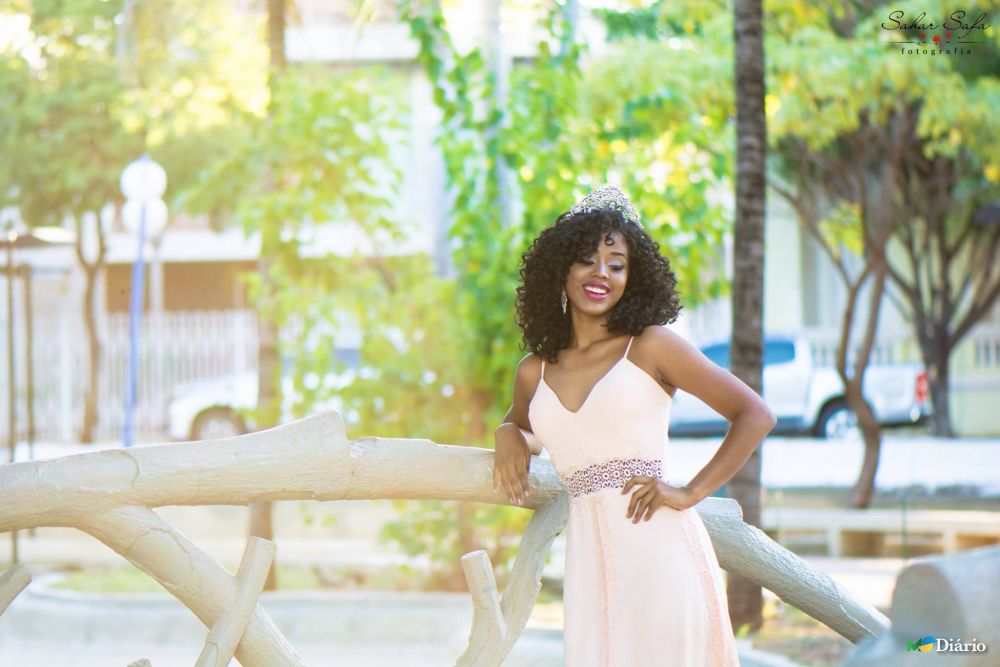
642, 583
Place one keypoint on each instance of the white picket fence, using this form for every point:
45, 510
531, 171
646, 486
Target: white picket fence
984, 340
175, 349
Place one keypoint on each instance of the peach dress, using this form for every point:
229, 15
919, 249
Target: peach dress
634, 594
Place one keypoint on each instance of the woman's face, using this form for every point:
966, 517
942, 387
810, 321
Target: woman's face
596, 282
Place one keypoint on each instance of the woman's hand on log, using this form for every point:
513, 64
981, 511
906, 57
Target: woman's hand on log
511, 463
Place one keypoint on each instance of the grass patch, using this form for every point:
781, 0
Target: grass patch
110, 580
129, 579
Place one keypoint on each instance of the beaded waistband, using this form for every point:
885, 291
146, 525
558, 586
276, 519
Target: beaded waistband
610, 475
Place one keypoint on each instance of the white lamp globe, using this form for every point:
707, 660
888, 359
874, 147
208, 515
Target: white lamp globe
143, 179
156, 216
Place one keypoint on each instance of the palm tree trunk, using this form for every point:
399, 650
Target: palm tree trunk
744, 596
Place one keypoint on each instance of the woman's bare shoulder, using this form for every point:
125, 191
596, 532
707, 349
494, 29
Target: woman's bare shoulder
658, 338
529, 369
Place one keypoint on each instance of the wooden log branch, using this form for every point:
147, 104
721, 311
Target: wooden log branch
488, 627
191, 576
746, 551
491, 640
250, 578
310, 459
12, 582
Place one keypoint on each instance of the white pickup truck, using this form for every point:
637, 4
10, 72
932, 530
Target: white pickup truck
809, 399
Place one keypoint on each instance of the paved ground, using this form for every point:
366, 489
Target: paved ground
64, 629
528, 653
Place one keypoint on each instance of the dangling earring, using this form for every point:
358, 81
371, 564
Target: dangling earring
562, 300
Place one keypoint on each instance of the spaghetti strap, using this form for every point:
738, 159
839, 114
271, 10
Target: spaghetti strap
628, 347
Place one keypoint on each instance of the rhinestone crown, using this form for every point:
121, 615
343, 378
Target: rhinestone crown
607, 198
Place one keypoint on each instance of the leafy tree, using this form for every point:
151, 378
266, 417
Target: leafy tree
852, 152
886, 171
87, 90
947, 275
61, 87
942, 265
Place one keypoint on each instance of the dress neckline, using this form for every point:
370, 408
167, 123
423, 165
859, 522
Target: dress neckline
590, 393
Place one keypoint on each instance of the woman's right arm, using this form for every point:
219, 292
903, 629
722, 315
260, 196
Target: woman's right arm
514, 441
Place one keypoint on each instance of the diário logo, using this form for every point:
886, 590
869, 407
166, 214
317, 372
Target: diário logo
930, 644
924, 645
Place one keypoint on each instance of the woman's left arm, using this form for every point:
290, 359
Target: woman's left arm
684, 366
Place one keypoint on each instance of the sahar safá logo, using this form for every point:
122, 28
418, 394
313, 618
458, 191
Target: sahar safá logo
953, 35
930, 644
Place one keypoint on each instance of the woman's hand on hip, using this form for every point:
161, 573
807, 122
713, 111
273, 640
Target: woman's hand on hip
652, 493
511, 465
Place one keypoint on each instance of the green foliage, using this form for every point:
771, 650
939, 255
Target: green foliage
562, 130
60, 127
661, 19
644, 116
77, 110
841, 229
822, 99
322, 157
413, 384
831, 109
433, 530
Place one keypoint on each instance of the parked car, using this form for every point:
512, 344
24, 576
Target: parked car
808, 399
220, 408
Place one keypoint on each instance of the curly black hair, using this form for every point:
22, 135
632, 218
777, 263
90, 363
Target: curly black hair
650, 297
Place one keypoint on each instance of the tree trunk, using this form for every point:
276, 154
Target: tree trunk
871, 431
268, 408
94, 356
937, 357
268, 362
744, 596
745, 599
92, 272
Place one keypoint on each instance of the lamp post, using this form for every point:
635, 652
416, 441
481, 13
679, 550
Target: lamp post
143, 183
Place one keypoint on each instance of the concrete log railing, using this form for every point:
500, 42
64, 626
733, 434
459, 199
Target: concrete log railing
110, 495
